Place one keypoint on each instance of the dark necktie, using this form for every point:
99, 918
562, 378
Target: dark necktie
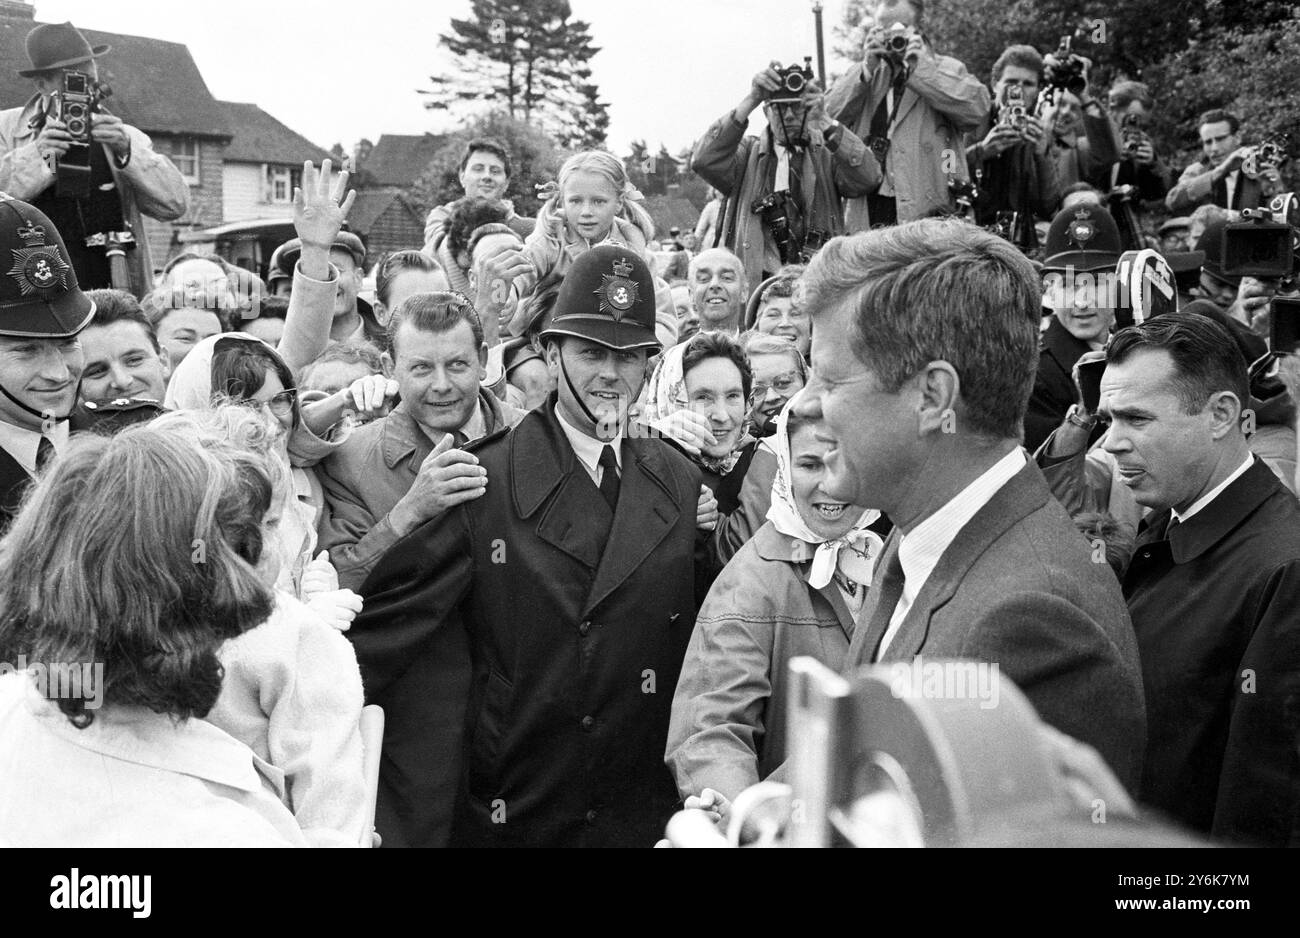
889, 583
459, 438
44, 453
609, 477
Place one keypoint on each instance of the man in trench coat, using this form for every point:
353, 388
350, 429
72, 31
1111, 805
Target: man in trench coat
570, 584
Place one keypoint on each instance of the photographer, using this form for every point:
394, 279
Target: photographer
125, 178
912, 107
1014, 172
784, 188
1220, 177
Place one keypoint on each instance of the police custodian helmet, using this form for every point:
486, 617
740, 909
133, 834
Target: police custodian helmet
607, 297
39, 296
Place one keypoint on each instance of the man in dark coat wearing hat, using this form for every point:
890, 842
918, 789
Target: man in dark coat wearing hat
41, 311
126, 177
1078, 279
570, 582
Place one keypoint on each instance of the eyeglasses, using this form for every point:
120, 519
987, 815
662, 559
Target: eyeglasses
280, 405
783, 385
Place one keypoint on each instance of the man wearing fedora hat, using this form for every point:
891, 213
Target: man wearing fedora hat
127, 177
560, 601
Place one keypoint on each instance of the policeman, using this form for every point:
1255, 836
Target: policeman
41, 312
559, 603
1083, 247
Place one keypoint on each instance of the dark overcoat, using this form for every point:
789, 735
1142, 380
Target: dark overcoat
575, 619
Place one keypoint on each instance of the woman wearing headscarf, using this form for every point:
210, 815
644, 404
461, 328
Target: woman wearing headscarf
794, 589
234, 367
697, 397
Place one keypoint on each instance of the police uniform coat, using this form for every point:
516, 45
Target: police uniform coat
575, 620
1054, 389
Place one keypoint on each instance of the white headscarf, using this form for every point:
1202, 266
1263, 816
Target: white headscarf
666, 394
851, 555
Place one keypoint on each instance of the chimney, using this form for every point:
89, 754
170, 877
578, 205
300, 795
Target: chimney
17, 10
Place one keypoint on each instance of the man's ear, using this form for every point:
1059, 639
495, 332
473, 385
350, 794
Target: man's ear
386, 362
166, 363
552, 352
1224, 409
940, 395
482, 360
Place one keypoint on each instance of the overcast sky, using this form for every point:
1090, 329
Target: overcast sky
337, 72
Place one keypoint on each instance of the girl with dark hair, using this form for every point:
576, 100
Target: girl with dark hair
124, 572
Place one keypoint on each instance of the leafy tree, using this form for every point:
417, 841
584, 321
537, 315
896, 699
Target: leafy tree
530, 58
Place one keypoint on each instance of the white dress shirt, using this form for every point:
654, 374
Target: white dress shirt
1230, 184
921, 548
22, 443
1214, 493
588, 448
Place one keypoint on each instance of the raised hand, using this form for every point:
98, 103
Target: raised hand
318, 212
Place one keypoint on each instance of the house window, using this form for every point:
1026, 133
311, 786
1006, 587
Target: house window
185, 154
278, 183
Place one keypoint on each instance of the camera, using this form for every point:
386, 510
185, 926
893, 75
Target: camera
782, 217
1132, 136
1263, 243
1064, 71
1270, 154
77, 100
896, 39
1014, 112
794, 79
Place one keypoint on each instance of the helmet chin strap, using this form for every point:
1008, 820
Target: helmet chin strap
31, 410
573, 392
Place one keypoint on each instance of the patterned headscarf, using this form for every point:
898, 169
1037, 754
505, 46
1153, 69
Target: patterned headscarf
851, 555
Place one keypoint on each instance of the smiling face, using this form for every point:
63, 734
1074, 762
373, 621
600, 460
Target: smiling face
182, 329
1163, 454
121, 362
1081, 301
438, 374
779, 315
825, 516
776, 380
872, 435
484, 175
590, 204
43, 374
345, 295
715, 390
606, 380
717, 290
688, 321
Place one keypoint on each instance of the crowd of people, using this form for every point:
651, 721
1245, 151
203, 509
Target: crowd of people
566, 495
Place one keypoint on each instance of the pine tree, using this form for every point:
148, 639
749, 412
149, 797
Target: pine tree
529, 57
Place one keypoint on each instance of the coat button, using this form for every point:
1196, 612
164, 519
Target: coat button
588, 722
591, 817
584, 627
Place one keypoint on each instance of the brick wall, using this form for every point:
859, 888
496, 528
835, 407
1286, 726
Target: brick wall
205, 201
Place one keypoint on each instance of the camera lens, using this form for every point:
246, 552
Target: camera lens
897, 43
794, 82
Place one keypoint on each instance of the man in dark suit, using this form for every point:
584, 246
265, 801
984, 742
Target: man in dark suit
41, 311
922, 400
573, 578
1213, 586
1078, 277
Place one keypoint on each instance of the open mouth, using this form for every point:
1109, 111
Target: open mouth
829, 511
445, 405
611, 397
